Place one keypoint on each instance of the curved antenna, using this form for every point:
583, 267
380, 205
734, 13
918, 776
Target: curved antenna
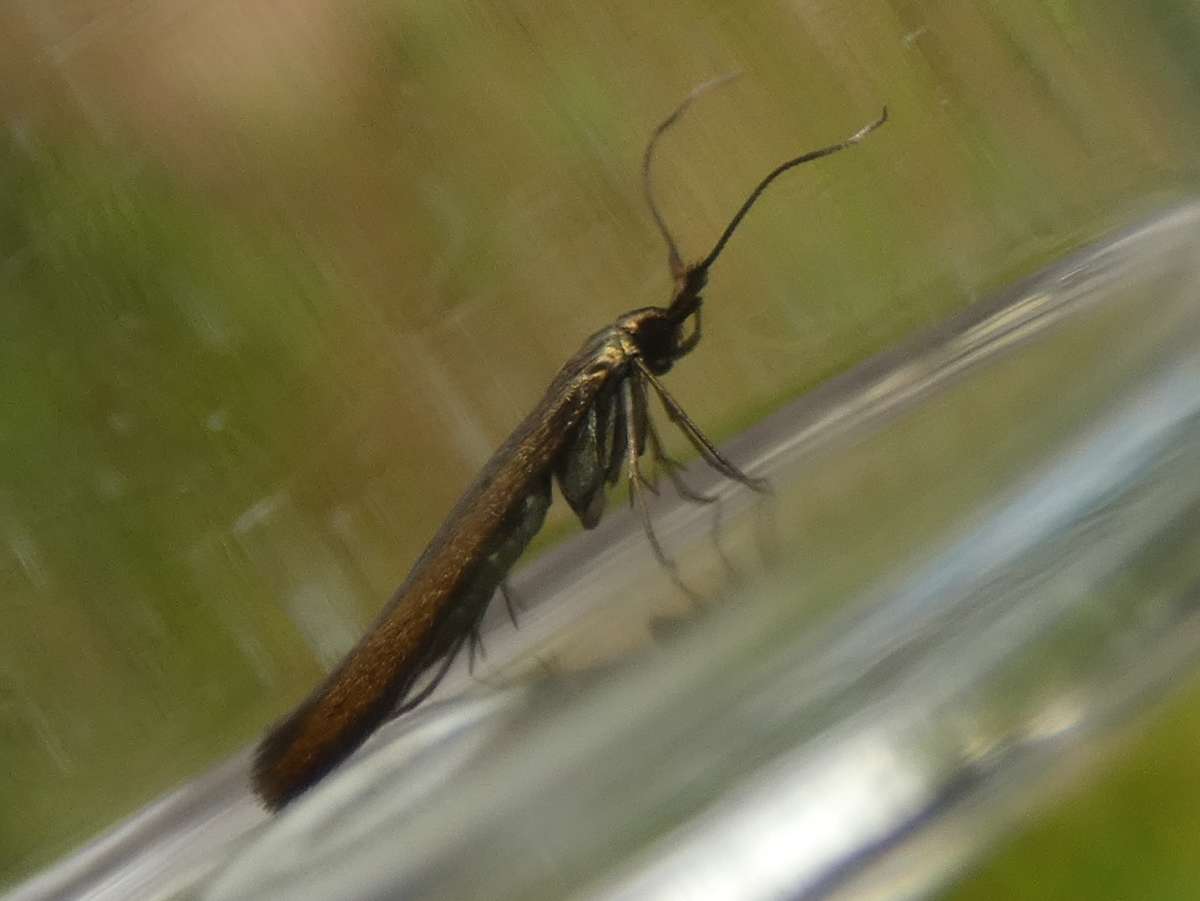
678, 269
771, 176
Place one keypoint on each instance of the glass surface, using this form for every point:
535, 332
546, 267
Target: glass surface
273, 286
826, 732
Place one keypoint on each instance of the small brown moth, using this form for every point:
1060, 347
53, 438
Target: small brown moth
593, 421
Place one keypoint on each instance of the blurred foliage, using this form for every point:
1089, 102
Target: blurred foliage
147, 341
272, 287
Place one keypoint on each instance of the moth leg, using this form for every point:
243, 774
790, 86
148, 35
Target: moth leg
474, 645
636, 497
510, 604
634, 422
711, 455
431, 686
669, 464
641, 426
672, 466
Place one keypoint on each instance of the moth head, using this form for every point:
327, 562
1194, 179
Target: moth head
657, 337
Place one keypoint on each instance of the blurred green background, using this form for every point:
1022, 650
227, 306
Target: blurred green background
275, 279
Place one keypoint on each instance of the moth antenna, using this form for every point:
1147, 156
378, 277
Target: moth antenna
770, 177
674, 260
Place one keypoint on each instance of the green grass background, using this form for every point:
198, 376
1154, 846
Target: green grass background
273, 286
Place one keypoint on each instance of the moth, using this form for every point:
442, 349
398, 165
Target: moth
592, 423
